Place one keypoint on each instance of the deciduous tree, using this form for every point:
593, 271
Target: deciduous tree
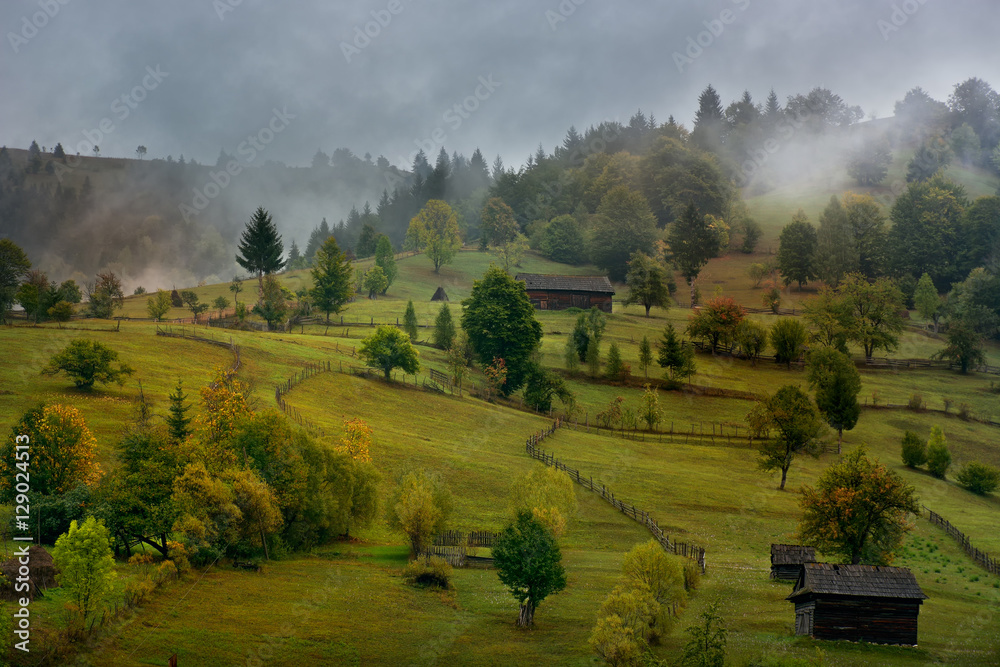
419, 507
788, 338
874, 320
648, 282
63, 451
794, 424
85, 567
624, 224
692, 242
500, 322
858, 510
716, 322
837, 383
105, 295
435, 231
385, 259
797, 251
528, 562
158, 305
273, 303
87, 362
389, 348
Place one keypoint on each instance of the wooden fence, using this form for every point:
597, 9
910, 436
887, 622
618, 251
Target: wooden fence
311, 369
475, 538
988, 562
691, 551
183, 333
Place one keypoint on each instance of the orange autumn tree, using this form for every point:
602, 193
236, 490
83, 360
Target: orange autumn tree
716, 322
859, 511
63, 452
356, 441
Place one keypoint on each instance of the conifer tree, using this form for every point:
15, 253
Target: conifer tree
444, 328
260, 247
177, 421
410, 321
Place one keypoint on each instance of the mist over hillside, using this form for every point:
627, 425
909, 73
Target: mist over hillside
163, 222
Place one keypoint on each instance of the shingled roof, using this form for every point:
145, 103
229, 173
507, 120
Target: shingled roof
540, 281
792, 554
857, 581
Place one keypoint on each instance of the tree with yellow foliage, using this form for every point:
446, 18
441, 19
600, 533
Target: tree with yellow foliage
356, 441
63, 452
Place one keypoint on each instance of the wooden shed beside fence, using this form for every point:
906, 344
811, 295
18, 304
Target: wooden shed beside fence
867, 603
551, 292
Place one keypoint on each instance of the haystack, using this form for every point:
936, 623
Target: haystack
439, 295
41, 573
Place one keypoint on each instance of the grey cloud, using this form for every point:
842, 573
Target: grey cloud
605, 60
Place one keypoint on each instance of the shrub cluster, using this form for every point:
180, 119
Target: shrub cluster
431, 572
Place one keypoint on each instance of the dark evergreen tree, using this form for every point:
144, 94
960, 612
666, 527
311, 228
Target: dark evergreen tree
260, 247
708, 133
177, 421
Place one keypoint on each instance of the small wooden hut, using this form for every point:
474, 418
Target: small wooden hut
439, 295
867, 603
41, 574
787, 560
550, 292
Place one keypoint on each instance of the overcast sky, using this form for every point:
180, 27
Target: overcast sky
223, 70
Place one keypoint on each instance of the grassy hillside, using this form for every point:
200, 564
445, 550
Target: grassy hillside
345, 603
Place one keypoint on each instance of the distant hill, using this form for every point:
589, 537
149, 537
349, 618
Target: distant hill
161, 222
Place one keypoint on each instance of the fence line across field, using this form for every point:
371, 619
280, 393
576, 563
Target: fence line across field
691, 551
990, 563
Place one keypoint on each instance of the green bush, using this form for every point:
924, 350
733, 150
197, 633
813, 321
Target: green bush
979, 478
914, 450
938, 456
433, 572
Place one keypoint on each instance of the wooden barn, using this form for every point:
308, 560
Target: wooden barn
879, 605
550, 292
787, 560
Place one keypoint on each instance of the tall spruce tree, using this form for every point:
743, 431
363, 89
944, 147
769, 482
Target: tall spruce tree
444, 328
260, 247
331, 274
177, 421
410, 321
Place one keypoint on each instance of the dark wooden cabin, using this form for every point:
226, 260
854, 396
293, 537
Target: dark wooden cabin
787, 560
879, 605
549, 292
